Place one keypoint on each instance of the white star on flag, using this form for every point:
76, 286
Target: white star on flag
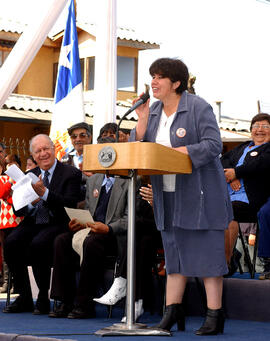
63, 58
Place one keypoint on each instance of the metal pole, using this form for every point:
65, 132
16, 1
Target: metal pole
105, 66
131, 327
131, 271
27, 47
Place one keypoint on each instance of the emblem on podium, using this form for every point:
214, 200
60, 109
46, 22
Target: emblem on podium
106, 156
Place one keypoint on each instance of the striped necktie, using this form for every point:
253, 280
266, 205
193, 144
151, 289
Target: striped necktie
42, 212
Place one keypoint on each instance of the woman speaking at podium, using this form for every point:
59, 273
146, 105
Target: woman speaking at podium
191, 210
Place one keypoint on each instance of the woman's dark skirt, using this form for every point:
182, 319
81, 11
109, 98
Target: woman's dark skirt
192, 253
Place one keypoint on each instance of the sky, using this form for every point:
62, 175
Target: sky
225, 43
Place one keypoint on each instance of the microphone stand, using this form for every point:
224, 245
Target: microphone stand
118, 125
141, 101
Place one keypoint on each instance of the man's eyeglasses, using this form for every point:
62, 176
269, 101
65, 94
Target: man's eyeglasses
81, 135
263, 126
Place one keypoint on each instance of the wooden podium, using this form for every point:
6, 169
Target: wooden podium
130, 159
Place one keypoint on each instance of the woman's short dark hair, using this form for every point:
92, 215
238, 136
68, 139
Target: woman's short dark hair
111, 126
171, 68
13, 158
30, 157
260, 117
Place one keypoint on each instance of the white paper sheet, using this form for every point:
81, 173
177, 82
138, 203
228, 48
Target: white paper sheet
15, 173
23, 192
83, 216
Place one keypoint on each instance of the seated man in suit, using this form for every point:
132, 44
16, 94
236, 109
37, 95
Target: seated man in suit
45, 218
106, 199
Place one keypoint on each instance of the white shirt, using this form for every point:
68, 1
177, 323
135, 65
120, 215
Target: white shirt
163, 137
77, 159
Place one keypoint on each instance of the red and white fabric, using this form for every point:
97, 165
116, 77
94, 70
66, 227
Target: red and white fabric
7, 217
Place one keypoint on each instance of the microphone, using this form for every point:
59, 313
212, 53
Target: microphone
141, 101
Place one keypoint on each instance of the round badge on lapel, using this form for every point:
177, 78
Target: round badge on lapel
95, 193
181, 132
253, 153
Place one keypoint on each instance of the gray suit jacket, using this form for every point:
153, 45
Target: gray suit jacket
117, 210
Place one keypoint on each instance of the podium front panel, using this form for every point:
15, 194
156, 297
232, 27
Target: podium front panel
145, 157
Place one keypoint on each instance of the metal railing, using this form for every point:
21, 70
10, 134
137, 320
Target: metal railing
14, 145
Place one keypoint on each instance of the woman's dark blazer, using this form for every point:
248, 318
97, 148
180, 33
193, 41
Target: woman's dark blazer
255, 171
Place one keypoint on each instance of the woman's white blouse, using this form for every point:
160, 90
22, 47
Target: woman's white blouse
163, 137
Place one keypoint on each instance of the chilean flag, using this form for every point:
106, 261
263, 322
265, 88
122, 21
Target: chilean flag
68, 99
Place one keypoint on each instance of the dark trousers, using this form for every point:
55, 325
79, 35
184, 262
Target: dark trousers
264, 231
66, 263
32, 244
147, 243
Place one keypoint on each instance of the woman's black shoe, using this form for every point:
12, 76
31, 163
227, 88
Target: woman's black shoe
174, 313
213, 324
234, 263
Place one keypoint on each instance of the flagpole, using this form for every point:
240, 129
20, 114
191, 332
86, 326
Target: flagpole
26, 48
105, 66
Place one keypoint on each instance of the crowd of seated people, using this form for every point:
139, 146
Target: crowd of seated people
46, 236
106, 199
84, 248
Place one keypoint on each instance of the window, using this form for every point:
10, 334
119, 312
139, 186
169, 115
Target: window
3, 56
91, 73
5, 48
126, 74
82, 71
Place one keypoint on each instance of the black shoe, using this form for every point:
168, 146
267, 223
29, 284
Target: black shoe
42, 307
20, 305
61, 310
79, 313
174, 313
234, 263
213, 324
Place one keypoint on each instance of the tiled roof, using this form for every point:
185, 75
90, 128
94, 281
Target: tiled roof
25, 102
23, 107
122, 33
12, 26
235, 124
40, 108
234, 136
